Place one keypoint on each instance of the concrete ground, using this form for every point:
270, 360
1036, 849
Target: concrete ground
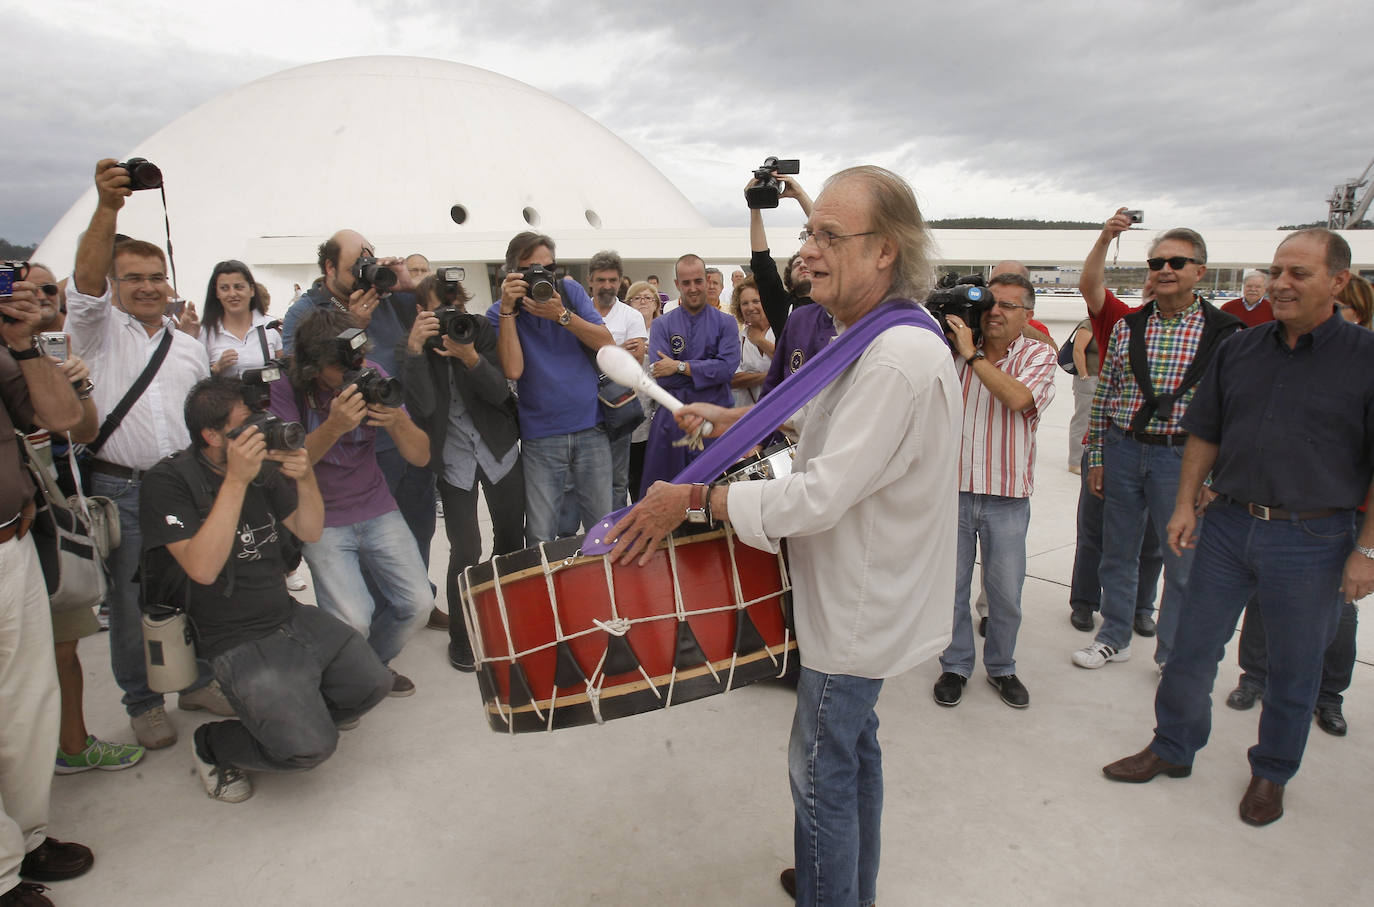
985, 805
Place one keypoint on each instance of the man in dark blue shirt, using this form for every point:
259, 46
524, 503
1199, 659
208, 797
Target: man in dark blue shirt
1284, 422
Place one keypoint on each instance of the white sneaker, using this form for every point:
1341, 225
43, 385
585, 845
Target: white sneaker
294, 581
222, 782
1098, 654
209, 697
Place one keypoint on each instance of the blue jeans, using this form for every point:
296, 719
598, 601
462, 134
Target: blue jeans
291, 688
996, 525
1085, 590
124, 600
1139, 482
548, 461
413, 488
1292, 569
1338, 664
384, 547
836, 769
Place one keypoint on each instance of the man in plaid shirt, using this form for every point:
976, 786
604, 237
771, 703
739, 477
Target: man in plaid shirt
1135, 444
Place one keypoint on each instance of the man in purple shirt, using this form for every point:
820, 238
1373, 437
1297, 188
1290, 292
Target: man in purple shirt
693, 352
362, 526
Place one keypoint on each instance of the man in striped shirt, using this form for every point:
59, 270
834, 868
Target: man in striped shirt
1154, 359
1008, 380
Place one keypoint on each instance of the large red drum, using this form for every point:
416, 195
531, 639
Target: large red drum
562, 640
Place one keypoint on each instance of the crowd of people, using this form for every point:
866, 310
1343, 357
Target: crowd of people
235, 447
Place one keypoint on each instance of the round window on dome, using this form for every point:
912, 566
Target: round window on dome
459, 214
531, 217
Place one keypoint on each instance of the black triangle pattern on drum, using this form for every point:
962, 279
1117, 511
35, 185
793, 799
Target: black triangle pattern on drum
689, 653
486, 683
620, 658
520, 692
567, 672
747, 636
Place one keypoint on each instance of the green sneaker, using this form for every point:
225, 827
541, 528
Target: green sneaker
108, 757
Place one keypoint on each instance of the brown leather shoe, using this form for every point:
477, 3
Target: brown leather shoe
1143, 766
1262, 803
438, 620
788, 879
56, 861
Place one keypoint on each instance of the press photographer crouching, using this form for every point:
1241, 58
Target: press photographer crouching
455, 387
343, 399
212, 541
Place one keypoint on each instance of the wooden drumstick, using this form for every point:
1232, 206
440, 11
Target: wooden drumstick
619, 365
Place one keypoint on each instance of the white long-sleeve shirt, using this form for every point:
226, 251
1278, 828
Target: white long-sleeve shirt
117, 348
870, 510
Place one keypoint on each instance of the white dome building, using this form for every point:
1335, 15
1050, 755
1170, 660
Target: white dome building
267, 171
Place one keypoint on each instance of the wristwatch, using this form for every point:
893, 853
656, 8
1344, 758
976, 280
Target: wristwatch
565, 318
697, 504
681, 367
977, 354
33, 352
1367, 552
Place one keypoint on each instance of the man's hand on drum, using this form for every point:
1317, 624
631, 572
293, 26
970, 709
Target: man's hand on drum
652, 519
690, 417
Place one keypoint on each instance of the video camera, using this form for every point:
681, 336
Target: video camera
372, 386
964, 297
143, 173
766, 189
11, 271
279, 434
371, 274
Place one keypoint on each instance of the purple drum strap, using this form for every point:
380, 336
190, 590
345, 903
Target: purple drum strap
786, 399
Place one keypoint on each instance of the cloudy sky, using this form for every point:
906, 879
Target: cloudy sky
1214, 113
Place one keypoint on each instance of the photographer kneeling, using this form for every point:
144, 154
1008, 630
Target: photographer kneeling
455, 387
293, 673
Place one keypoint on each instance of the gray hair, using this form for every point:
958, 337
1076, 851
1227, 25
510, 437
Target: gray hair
897, 216
606, 260
1337, 249
1183, 234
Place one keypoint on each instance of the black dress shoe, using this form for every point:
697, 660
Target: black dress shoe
1144, 625
1330, 719
949, 689
983, 627
460, 656
1082, 619
1143, 766
1242, 698
1012, 691
25, 894
56, 861
788, 879
1262, 803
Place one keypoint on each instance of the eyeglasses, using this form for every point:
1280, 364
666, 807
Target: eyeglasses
1175, 263
134, 280
823, 238
1011, 306
49, 289
643, 297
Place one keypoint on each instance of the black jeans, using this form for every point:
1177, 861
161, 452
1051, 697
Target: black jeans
1085, 590
291, 689
1338, 664
506, 504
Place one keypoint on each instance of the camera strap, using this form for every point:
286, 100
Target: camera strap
785, 399
126, 403
167, 222
262, 342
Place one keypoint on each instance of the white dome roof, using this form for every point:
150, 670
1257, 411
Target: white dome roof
308, 151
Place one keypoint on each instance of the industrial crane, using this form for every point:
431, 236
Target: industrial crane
1347, 207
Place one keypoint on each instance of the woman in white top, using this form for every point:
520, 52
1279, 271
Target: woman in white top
235, 327
755, 343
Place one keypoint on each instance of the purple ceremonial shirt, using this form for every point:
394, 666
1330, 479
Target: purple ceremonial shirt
809, 330
351, 482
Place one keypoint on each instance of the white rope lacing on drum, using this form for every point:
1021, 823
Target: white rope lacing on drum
617, 626
558, 633
786, 586
510, 643
680, 612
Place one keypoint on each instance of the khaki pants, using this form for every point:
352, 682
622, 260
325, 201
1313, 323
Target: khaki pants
29, 706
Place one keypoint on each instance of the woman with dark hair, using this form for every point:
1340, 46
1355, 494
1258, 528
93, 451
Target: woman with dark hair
455, 389
235, 329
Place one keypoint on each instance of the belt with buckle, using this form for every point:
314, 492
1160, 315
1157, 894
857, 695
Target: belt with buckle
1264, 512
106, 468
1157, 440
18, 527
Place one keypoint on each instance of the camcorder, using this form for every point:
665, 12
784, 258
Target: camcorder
371, 385
143, 173
10, 272
279, 434
766, 189
370, 274
542, 282
965, 297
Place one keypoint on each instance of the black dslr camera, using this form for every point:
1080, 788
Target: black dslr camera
766, 189
543, 283
369, 274
143, 173
372, 387
278, 434
455, 323
965, 297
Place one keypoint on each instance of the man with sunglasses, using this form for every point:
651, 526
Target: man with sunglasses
545, 346
116, 315
1008, 380
1154, 359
